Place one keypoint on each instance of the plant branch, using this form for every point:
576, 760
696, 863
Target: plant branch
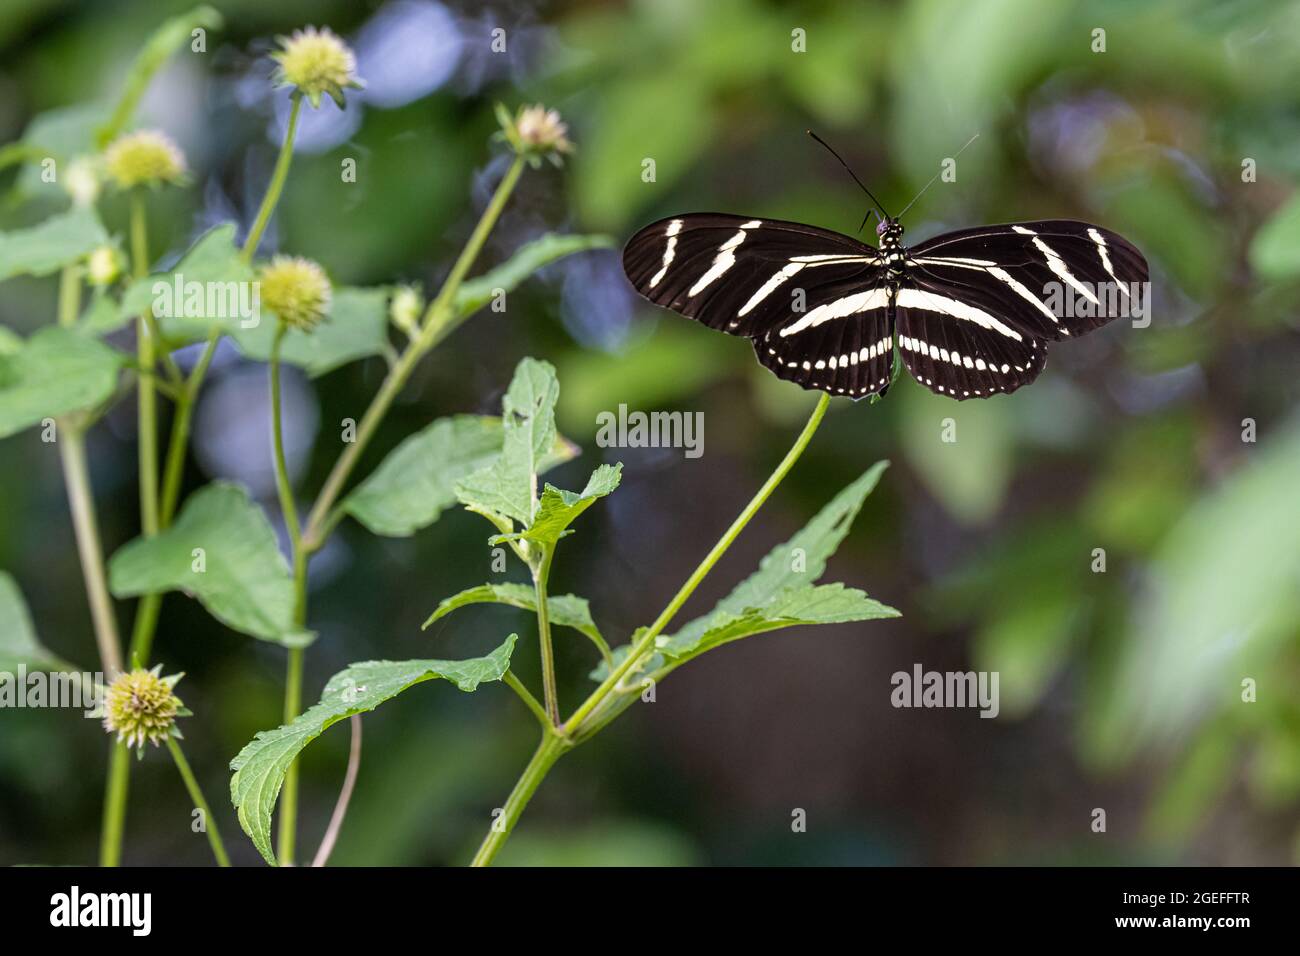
276, 185
548, 751
646, 644
345, 795
541, 573
596, 712
115, 788
147, 414
439, 320
196, 794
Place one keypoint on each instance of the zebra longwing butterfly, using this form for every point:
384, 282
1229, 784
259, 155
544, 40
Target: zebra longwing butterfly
973, 310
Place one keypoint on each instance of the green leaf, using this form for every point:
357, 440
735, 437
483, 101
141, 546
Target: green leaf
50, 245
566, 610
559, 509
18, 643
476, 293
214, 263
260, 767
417, 481
63, 135
803, 604
355, 328
173, 33
54, 372
788, 570
1275, 250
244, 581
506, 487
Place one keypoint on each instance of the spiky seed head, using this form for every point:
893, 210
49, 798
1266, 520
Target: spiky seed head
297, 290
147, 157
316, 62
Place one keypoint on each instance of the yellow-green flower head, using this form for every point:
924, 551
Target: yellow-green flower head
405, 308
535, 132
147, 157
81, 181
142, 706
297, 290
316, 62
103, 266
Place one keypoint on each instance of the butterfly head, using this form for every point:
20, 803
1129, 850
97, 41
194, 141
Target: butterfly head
889, 231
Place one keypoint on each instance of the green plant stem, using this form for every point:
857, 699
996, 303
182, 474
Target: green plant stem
548, 751
192, 785
646, 644
276, 185
119, 768
591, 715
288, 823
146, 615
81, 502
541, 573
293, 676
147, 414
439, 320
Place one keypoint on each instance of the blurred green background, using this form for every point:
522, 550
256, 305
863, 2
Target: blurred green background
1120, 690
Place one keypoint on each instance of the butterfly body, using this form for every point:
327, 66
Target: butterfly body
970, 312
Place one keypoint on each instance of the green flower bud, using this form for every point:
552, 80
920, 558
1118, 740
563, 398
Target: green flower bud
405, 308
103, 266
535, 132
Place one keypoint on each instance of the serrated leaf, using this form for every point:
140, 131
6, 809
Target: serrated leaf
260, 767
527, 259
54, 372
355, 328
245, 582
799, 561
566, 610
507, 486
19, 645
417, 481
558, 509
802, 604
50, 245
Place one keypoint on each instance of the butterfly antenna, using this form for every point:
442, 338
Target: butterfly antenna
854, 175
935, 176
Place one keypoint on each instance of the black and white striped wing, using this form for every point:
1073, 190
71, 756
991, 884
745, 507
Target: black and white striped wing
977, 308
814, 303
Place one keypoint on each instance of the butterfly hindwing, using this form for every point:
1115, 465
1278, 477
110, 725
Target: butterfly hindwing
959, 349
846, 348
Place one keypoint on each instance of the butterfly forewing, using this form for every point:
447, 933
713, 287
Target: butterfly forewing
814, 302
